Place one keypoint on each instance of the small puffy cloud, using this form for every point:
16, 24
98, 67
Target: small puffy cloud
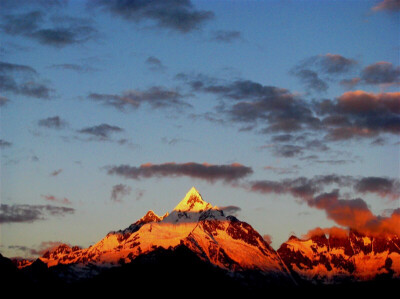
288, 150
119, 191
102, 131
381, 73
230, 210
56, 172
154, 64
267, 239
330, 64
205, 171
333, 231
311, 80
334, 63
226, 36
309, 71
54, 122
4, 143
3, 101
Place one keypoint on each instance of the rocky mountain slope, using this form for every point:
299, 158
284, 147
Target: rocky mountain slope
221, 240
342, 258
203, 234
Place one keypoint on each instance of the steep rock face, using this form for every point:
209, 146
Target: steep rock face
222, 241
234, 245
340, 258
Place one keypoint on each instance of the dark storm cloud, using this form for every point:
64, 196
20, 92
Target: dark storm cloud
29, 213
63, 31
119, 191
21, 80
156, 97
381, 73
4, 143
154, 64
177, 15
387, 5
54, 122
205, 171
225, 36
360, 114
102, 131
311, 80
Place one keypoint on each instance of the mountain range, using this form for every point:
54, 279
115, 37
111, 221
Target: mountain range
199, 240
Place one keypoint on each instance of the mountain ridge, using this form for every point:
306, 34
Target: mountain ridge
233, 246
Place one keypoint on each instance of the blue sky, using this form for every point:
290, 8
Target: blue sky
273, 96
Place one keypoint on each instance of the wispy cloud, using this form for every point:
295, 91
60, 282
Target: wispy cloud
22, 80
156, 97
19, 213
55, 199
54, 122
119, 191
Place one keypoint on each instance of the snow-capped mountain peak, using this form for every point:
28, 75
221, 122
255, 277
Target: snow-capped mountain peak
192, 202
150, 217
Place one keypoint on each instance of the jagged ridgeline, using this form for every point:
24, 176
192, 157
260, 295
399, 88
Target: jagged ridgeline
197, 240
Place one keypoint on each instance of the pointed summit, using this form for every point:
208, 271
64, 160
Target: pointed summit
150, 217
192, 202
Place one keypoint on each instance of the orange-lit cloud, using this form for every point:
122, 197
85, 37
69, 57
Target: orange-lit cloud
387, 5
350, 213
